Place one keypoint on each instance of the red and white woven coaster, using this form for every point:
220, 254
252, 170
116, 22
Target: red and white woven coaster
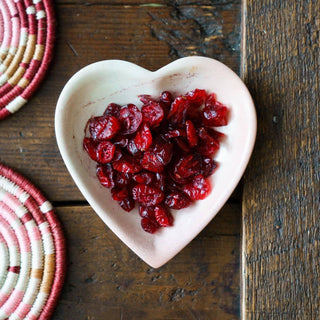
27, 30
32, 250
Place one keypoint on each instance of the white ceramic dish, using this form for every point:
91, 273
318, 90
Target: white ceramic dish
88, 93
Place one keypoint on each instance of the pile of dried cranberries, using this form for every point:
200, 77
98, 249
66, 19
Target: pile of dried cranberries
159, 156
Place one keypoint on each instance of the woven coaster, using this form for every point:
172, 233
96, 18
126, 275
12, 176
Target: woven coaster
27, 29
32, 250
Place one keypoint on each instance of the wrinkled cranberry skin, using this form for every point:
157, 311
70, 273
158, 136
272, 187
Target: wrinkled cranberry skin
198, 189
105, 175
119, 194
104, 127
149, 225
215, 114
105, 151
192, 135
130, 117
147, 195
112, 109
91, 148
143, 139
160, 156
163, 216
127, 164
177, 200
127, 204
152, 114
143, 177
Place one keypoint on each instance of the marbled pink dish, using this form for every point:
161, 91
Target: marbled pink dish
88, 93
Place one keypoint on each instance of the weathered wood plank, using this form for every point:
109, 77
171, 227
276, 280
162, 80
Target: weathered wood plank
87, 34
281, 213
105, 278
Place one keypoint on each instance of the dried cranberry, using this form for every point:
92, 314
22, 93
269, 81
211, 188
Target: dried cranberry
105, 151
215, 114
143, 139
104, 127
143, 177
187, 166
207, 146
91, 148
152, 162
163, 216
105, 175
166, 98
192, 135
149, 225
130, 117
178, 110
147, 195
127, 164
121, 179
152, 114
119, 193
112, 109
146, 212
160, 181
198, 189
208, 166
163, 151
127, 204
175, 133
132, 148
196, 96
177, 200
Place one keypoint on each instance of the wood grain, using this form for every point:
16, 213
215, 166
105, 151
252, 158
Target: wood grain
87, 34
106, 280
281, 213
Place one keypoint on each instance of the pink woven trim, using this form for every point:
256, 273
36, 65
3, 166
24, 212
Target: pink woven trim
40, 211
43, 28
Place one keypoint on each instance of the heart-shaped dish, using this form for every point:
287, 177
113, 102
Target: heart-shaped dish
88, 93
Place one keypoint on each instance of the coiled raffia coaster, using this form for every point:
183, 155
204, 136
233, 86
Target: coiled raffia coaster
27, 30
32, 250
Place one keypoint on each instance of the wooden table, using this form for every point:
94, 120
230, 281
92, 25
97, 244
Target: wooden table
269, 226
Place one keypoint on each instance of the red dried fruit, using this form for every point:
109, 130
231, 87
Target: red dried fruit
119, 194
187, 166
143, 139
160, 181
208, 166
175, 133
127, 164
130, 117
166, 98
149, 225
112, 109
215, 114
178, 110
177, 200
104, 127
105, 175
152, 114
121, 179
91, 148
196, 96
152, 162
146, 212
163, 216
198, 189
126, 204
147, 195
105, 151
143, 177
207, 145
192, 135
134, 152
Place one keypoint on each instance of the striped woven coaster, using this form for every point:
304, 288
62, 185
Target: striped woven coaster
32, 250
27, 29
